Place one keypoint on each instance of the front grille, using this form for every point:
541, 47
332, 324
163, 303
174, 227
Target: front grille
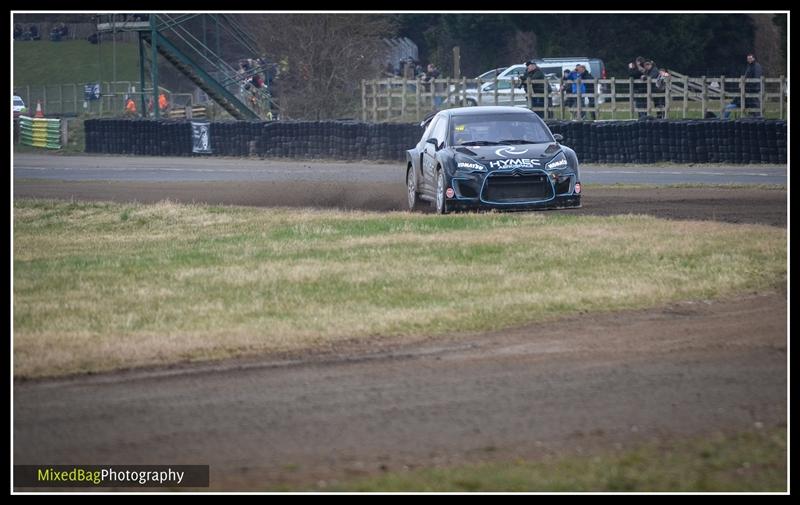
466, 189
510, 188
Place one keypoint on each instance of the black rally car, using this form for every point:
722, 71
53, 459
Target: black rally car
491, 158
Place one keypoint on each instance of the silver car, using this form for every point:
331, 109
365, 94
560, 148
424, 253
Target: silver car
507, 91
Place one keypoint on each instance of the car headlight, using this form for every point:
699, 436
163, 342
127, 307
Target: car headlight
558, 163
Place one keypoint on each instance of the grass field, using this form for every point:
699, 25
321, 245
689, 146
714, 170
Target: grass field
73, 61
745, 462
102, 286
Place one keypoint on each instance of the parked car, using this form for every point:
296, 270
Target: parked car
553, 69
507, 92
490, 158
485, 77
18, 106
489, 75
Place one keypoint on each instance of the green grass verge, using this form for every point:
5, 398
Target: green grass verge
745, 462
73, 61
100, 286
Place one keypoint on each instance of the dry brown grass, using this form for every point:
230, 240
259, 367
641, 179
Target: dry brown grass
105, 286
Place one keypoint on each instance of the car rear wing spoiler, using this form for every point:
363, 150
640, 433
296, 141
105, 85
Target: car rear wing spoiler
424, 123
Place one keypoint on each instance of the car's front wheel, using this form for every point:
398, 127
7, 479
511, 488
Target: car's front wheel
411, 188
440, 203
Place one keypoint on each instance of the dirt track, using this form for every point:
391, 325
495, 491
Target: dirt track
563, 387
766, 206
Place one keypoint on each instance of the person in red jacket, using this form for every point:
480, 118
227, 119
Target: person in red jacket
163, 104
130, 107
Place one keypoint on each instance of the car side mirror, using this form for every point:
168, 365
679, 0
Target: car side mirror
558, 137
434, 142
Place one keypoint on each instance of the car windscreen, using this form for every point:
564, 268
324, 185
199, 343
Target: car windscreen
498, 128
18, 102
490, 75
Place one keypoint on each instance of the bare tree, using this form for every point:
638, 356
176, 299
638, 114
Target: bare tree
522, 46
767, 45
322, 59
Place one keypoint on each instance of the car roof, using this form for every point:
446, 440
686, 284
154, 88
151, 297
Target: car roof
485, 109
497, 70
566, 58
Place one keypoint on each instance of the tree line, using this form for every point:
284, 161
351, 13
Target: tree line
695, 44
324, 57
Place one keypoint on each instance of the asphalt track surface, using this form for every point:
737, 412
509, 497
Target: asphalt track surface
380, 187
591, 381
182, 169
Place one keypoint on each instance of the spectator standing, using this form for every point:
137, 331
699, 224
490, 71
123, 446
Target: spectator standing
654, 74
534, 73
753, 71
566, 88
636, 71
430, 73
662, 84
571, 85
587, 88
408, 69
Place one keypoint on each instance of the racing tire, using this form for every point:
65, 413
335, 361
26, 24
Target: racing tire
440, 202
414, 201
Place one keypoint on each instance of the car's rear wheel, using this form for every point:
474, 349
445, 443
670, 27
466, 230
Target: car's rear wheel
440, 203
411, 188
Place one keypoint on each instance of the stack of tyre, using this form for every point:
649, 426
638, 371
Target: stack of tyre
138, 136
677, 141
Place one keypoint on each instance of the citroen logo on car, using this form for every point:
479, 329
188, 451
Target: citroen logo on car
509, 150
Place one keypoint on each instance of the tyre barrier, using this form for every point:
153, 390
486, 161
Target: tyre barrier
679, 141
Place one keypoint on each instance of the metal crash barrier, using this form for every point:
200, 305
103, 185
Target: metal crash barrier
40, 132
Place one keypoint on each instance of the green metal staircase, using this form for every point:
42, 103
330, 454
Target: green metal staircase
211, 86
172, 37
